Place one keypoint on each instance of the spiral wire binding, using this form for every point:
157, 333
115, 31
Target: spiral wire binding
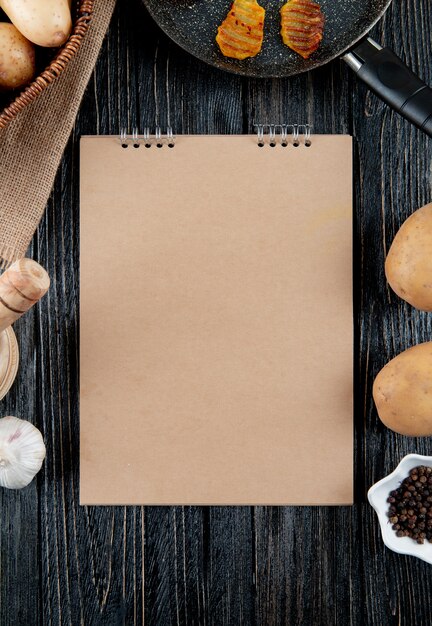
300, 134
147, 140
273, 134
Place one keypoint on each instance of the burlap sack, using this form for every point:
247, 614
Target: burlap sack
32, 145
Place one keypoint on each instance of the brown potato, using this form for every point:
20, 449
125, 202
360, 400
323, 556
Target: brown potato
403, 392
408, 265
17, 58
44, 22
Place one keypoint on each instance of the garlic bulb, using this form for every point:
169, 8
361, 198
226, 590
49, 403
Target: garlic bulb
22, 452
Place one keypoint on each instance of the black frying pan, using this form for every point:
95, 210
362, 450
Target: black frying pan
193, 25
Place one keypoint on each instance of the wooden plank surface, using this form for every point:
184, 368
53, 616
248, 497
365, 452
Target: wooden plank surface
65, 564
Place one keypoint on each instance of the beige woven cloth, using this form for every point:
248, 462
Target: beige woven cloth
31, 146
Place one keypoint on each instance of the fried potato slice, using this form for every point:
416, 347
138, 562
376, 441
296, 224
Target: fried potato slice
302, 26
241, 33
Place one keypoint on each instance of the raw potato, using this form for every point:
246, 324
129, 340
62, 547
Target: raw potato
17, 58
408, 265
403, 392
46, 23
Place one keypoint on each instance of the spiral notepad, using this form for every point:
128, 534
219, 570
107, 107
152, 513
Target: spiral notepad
216, 318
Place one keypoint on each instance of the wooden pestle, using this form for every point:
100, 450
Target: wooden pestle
21, 286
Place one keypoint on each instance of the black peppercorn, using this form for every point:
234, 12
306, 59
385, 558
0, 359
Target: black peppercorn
410, 510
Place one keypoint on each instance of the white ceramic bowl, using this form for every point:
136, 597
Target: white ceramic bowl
377, 496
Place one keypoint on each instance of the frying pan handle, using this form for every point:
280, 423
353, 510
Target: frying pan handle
391, 80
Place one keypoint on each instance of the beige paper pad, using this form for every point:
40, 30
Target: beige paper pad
216, 322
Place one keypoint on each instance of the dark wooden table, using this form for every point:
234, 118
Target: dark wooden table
65, 564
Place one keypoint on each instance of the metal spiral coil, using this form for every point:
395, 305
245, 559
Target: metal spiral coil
267, 134
283, 135
146, 139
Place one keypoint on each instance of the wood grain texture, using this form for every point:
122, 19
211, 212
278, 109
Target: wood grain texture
63, 564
